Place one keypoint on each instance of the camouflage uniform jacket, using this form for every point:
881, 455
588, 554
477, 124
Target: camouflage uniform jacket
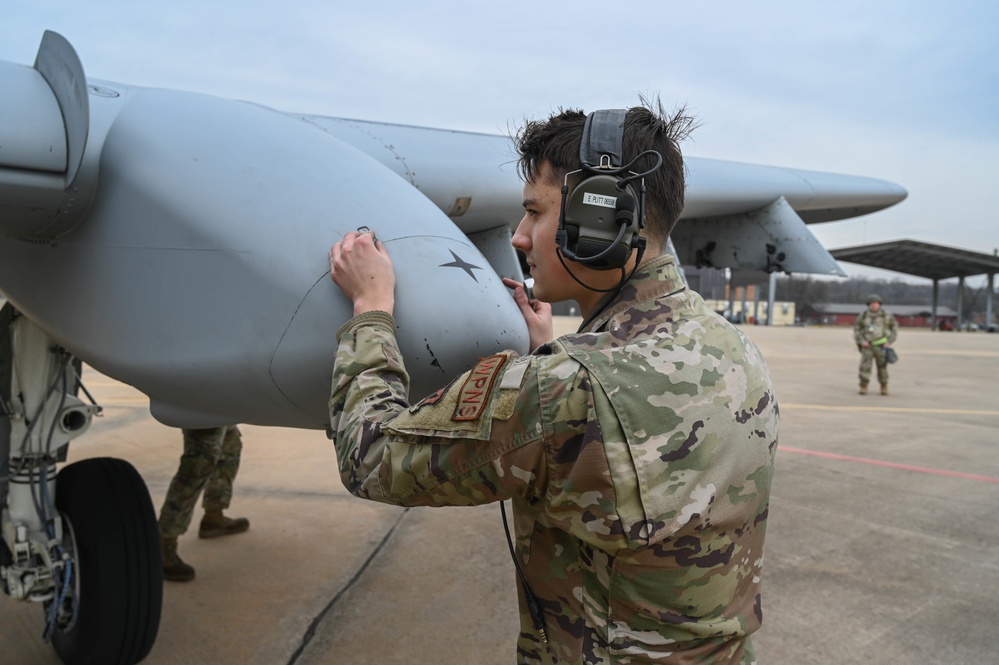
874, 326
637, 455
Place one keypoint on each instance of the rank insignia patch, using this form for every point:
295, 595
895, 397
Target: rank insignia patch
475, 391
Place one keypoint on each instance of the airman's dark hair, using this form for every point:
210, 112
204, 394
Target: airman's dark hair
646, 127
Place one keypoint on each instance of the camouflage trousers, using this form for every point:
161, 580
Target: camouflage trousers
869, 356
209, 463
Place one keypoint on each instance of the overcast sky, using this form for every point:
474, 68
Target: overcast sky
906, 91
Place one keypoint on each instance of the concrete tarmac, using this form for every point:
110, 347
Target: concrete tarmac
883, 544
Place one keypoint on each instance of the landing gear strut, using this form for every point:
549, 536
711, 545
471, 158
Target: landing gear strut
83, 543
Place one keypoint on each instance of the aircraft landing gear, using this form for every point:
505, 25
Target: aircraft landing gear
121, 572
88, 551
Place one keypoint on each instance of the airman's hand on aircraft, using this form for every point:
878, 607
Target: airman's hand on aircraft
360, 266
537, 314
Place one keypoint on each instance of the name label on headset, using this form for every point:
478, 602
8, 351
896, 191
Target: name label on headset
599, 200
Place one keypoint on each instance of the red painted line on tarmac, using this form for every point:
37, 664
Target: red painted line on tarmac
892, 465
890, 409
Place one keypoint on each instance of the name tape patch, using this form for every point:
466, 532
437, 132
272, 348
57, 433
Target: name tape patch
475, 391
599, 200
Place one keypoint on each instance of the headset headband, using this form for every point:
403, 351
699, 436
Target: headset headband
603, 138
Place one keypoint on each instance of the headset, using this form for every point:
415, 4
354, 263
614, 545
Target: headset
599, 223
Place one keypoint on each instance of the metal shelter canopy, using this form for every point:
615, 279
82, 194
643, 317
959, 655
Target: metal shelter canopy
924, 259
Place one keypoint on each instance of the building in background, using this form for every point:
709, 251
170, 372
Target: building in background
909, 316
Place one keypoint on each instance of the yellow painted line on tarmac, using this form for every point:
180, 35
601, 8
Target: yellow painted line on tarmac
891, 409
952, 352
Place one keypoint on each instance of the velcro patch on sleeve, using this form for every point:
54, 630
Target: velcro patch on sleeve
474, 393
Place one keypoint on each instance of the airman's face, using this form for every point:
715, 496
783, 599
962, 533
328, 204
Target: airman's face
535, 237
874, 305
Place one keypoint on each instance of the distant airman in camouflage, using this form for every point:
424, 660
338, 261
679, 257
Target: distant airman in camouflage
874, 331
637, 453
209, 463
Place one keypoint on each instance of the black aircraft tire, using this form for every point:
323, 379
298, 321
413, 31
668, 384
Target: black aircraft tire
121, 566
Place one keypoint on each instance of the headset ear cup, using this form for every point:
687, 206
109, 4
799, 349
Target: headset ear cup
613, 255
594, 215
572, 237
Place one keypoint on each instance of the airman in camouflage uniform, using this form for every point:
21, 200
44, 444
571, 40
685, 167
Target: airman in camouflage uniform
874, 331
637, 454
209, 463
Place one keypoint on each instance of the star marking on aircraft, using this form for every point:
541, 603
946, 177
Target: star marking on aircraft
461, 263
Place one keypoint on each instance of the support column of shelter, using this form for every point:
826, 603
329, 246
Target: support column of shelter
960, 302
988, 301
731, 294
771, 290
936, 300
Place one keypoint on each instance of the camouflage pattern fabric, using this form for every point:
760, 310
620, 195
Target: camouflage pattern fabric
637, 455
210, 463
877, 329
869, 357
